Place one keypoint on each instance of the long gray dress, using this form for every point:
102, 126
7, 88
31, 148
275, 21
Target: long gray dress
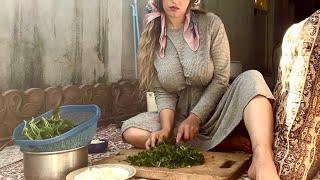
198, 82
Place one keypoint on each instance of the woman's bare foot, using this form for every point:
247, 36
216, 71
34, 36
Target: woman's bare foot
263, 167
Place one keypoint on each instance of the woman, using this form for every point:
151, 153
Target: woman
185, 59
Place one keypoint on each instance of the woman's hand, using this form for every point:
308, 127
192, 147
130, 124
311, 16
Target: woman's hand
189, 128
157, 137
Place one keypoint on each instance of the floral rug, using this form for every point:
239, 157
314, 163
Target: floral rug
11, 166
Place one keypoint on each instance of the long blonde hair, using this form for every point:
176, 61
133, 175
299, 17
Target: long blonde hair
149, 44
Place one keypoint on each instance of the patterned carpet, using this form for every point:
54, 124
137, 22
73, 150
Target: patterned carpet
11, 167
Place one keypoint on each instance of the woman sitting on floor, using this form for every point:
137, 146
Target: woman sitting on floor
185, 59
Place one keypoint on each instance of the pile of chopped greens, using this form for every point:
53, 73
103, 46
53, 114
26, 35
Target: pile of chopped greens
168, 155
47, 127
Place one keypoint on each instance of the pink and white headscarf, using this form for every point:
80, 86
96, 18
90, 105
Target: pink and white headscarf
191, 32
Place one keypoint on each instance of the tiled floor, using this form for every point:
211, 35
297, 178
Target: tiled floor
11, 167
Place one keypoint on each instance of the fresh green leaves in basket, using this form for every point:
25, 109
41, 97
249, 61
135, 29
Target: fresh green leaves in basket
168, 155
47, 127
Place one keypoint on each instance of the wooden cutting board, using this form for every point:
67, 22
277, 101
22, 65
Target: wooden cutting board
217, 166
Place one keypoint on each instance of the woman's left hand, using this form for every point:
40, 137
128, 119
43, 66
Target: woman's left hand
188, 129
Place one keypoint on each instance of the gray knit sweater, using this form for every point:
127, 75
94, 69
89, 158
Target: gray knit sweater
197, 82
191, 81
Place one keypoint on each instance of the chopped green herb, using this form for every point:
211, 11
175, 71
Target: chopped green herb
47, 127
168, 155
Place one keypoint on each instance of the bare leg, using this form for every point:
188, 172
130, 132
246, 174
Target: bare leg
136, 137
258, 118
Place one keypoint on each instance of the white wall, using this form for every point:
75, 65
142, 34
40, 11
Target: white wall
115, 39
58, 42
52, 42
128, 69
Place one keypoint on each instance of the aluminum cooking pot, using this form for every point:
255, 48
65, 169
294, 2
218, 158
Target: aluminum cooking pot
53, 165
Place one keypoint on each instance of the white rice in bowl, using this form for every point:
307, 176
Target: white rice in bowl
103, 173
